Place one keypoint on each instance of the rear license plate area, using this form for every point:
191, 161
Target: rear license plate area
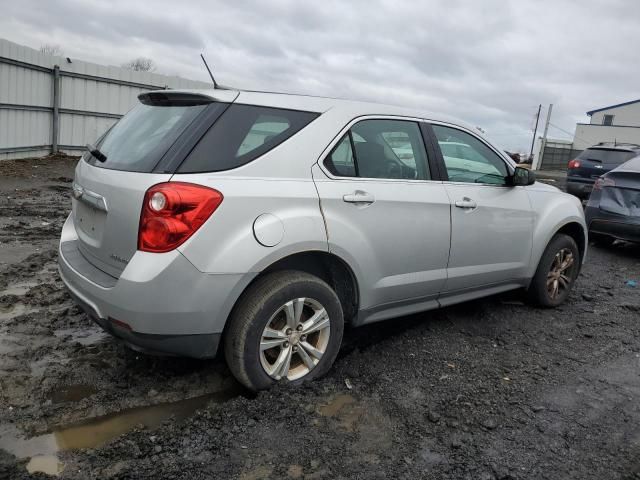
89, 220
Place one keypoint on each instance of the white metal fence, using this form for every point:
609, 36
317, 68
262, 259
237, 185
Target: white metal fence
54, 104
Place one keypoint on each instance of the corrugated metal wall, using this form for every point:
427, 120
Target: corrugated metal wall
92, 97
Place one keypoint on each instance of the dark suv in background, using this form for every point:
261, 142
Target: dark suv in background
595, 161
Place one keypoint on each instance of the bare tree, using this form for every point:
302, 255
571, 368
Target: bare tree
50, 49
141, 64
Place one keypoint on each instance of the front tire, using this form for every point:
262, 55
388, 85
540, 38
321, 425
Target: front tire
556, 273
286, 327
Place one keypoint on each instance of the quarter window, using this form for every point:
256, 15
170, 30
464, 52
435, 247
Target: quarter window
262, 131
242, 134
390, 149
467, 159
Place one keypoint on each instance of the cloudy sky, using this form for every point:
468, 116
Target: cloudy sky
489, 62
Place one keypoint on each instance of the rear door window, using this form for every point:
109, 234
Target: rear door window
242, 134
391, 149
341, 162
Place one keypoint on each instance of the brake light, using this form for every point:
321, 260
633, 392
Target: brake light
602, 182
574, 164
172, 212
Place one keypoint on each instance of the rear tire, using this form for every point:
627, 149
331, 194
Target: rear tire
280, 309
556, 273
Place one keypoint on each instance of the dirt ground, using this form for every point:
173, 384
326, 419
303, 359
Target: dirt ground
488, 389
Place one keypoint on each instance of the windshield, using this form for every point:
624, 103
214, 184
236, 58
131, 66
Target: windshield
139, 139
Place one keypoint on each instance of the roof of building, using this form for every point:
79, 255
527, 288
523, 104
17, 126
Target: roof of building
612, 106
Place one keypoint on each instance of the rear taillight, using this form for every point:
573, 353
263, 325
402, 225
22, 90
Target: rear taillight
574, 164
172, 212
602, 182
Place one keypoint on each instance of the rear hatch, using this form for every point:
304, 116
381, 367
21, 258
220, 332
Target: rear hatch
597, 161
621, 194
142, 149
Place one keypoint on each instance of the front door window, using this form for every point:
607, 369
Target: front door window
469, 160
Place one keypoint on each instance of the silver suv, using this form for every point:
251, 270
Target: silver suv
266, 222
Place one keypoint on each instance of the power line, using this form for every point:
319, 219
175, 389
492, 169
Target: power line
561, 129
569, 133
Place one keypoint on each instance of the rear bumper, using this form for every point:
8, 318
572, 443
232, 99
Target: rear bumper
617, 226
580, 188
196, 346
160, 303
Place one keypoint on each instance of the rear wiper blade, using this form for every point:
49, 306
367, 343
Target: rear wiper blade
93, 150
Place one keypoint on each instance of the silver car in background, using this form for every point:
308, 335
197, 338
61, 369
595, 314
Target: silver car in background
265, 222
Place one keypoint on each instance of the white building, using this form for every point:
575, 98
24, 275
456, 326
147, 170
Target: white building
616, 123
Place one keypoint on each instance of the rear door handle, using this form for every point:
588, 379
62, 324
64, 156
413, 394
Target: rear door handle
359, 197
466, 202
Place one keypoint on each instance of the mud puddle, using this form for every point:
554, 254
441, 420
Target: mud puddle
42, 450
8, 343
73, 393
15, 310
84, 337
19, 288
345, 410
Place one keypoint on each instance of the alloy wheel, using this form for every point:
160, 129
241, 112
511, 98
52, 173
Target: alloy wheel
295, 339
560, 274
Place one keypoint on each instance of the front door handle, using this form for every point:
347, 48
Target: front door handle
359, 197
466, 202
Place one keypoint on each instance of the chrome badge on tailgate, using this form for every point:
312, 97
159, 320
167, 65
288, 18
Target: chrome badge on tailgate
90, 198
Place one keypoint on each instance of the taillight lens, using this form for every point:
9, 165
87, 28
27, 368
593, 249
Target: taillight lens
574, 163
172, 212
602, 182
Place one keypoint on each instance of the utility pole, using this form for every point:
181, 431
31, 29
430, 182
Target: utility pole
535, 130
543, 144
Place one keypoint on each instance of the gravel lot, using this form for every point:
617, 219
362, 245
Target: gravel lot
488, 389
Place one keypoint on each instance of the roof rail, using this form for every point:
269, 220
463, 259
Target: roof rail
617, 144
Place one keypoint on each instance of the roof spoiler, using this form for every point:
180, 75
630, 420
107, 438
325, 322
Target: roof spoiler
181, 98
173, 99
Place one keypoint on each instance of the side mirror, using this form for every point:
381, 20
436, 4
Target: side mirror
523, 176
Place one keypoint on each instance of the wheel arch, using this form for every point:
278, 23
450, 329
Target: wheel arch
572, 227
335, 271
579, 235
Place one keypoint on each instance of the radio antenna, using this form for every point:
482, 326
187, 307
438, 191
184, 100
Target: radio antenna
215, 84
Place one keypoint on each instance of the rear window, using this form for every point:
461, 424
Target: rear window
606, 156
242, 134
137, 142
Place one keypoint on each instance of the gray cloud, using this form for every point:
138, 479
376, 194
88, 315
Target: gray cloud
490, 63
102, 20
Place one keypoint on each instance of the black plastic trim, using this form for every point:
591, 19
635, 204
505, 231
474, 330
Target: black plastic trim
436, 161
185, 143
